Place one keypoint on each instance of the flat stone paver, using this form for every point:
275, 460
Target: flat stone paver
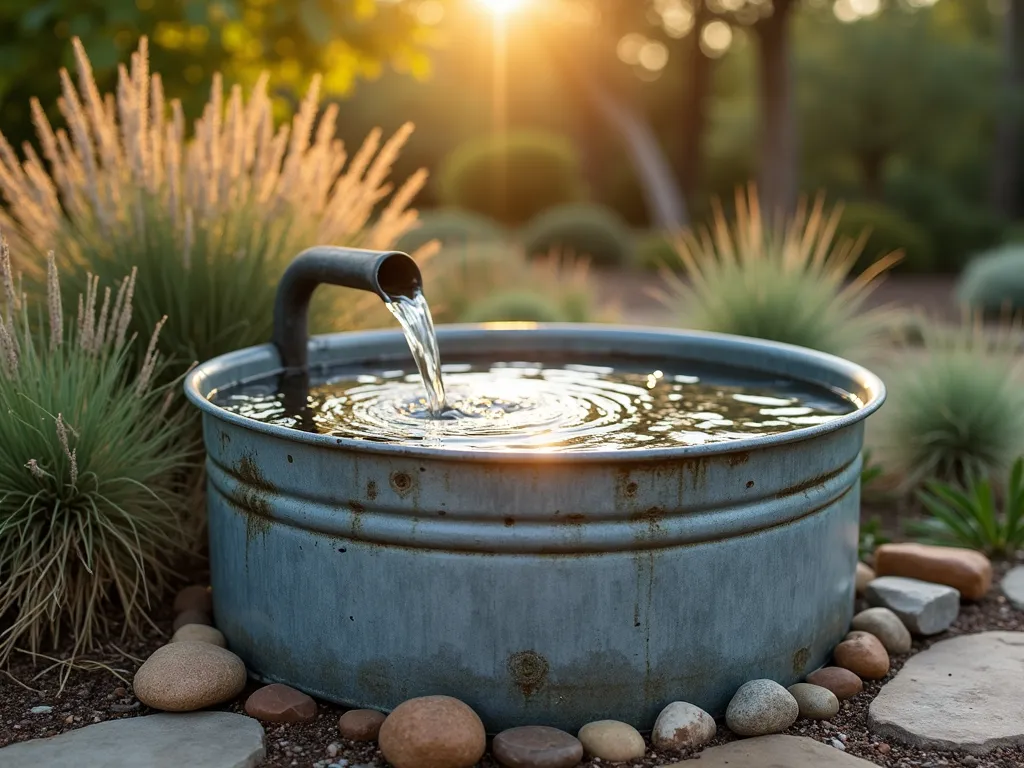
1013, 587
775, 752
964, 693
196, 740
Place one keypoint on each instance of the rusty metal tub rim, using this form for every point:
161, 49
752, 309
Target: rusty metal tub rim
590, 340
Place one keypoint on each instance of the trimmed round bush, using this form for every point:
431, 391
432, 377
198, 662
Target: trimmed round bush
451, 226
514, 306
889, 231
511, 177
652, 251
994, 281
583, 230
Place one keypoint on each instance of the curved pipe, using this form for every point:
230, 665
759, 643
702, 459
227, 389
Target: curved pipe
389, 274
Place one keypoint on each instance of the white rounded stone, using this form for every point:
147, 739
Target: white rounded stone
761, 707
886, 626
683, 726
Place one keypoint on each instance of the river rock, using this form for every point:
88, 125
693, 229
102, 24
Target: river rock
432, 732
854, 634
864, 656
965, 570
682, 726
194, 598
193, 740
200, 633
1013, 587
191, 617
815, 702
612, 741
923, 607
842, 682
761, 707
964, 693
185, 676
864, 577
886, 626
278, 703
361, 724
536, 746
781, 751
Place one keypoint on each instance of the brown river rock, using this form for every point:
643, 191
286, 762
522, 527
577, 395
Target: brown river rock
842, 682
277, 703
194, 598
185, 676
191, 616
432, 732
361, 724
536, 746
864, 655
967, 571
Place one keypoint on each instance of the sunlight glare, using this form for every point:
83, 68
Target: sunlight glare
503, 7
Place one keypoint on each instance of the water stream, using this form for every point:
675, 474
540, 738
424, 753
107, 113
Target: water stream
413, 314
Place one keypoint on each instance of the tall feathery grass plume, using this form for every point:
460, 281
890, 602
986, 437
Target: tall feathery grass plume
211, 218
91, 507
781, 280
955, 409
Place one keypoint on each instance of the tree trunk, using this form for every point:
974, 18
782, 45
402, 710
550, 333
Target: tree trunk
694, 117
1006, 160
778, 182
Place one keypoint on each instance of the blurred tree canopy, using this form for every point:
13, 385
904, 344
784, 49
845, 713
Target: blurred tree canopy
192, 39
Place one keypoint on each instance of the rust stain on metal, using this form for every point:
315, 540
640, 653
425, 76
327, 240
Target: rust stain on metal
401, 482
649, 515
509, 522
738, 458
800, 659
225, 440
529, 671
356, 507
573, 519
371, 490
750, 483
250, 497
290, 459
631, 488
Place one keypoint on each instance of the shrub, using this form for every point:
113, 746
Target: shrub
972, 518
780, 282
461, 277
512, 177
958, 411
994, 282
653, 251
211, 221
451, 227
886, 231
870, 538
90, 507
591, 231
514, 306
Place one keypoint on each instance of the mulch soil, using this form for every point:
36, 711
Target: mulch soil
104, 693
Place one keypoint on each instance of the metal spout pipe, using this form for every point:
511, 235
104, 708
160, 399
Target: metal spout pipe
388, 274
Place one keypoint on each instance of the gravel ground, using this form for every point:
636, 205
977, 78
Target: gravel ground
104, 693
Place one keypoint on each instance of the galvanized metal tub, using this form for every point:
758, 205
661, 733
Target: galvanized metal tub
551, 589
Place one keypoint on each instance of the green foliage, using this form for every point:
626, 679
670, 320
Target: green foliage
91, 506
514, 306
653, 251
193, 39
783, 282
460, 279
956, 409
212, 221
994, 282
886, 231
972, 517
870, 471
870, 538
582, 229
512, 177
450, 226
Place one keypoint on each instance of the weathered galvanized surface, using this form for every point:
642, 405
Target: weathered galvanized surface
553, 589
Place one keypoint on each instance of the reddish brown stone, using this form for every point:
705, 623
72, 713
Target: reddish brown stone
194, 598
536, 746
842, 682
361, 724
279, 703
967, 571
432, 732
191, 617
864, 656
